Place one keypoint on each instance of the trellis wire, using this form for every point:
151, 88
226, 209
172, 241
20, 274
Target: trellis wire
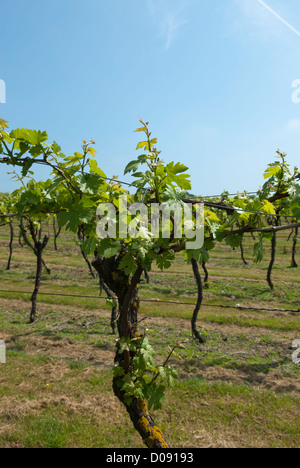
157, 301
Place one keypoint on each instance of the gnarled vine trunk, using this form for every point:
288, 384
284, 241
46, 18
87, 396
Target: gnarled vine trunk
295, 240
271, 264
242, 253
204, 267
38, 246
114, 311
126, 290
81, 238
11, 228
196, 272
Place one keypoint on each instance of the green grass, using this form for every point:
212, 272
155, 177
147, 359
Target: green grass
57, 413
278, 323
228, 410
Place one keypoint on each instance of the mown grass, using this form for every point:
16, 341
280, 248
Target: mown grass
58, 410
57, 413
240, 389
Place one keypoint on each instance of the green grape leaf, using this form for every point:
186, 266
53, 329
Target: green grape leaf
132, 166
109, 247
128, 264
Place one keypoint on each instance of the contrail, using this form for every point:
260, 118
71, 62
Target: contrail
279, 17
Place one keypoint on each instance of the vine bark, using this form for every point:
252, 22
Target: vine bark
126, 290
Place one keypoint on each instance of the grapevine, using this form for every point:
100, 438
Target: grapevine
72, 195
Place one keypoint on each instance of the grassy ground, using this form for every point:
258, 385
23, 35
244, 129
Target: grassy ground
240, 389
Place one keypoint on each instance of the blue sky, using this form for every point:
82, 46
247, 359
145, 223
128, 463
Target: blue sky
213, 77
